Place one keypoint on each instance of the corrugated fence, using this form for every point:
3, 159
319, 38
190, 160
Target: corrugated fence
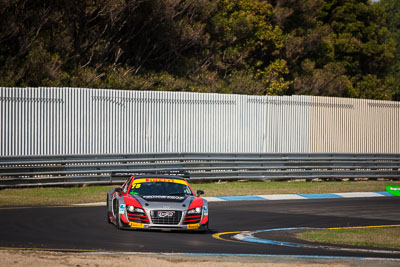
57, 121
355, 125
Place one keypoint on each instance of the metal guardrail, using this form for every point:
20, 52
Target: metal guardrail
33, 171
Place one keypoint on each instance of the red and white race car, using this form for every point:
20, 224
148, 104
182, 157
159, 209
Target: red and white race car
162, 202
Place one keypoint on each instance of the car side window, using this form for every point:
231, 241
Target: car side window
126, 185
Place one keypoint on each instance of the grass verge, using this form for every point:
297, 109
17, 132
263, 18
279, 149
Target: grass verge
277, 187
53, 196
87, 194
370, 237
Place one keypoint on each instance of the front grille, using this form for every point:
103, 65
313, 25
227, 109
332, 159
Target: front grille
190, 219
171, 217
137, 217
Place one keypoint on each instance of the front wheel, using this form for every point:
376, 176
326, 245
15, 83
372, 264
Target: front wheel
108, 213
120, 224
205, 229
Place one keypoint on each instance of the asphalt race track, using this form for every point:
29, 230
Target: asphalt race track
85, 228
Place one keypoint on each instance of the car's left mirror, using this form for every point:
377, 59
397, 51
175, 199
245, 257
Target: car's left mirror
200, 192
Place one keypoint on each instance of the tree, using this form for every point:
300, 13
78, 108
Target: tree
82, 42
391, 9
336, 48
359, 34
309, 49
275, 47
247, 43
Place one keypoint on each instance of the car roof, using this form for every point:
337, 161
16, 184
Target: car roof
160, 176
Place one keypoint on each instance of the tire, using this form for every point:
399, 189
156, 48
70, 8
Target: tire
108, 213
120, 225
118, 222
206, 229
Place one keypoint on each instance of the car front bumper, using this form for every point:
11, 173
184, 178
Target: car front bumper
166, 227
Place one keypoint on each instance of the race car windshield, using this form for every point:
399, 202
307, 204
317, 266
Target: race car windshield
160, 189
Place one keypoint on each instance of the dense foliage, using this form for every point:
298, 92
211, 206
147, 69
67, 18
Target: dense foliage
391, 9
275, 47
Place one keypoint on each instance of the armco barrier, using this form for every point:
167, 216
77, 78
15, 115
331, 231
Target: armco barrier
31, 171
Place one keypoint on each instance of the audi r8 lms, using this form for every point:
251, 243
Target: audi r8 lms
161, 202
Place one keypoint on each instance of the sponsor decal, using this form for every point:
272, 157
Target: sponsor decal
136, 225
193, 226
160, 180
163, 197
205, 210
165, 213
122, 209
394, 190
136, 185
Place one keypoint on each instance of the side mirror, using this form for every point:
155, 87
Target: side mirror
118, 190
200, 192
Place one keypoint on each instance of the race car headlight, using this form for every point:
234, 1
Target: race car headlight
134, 209
194, 211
